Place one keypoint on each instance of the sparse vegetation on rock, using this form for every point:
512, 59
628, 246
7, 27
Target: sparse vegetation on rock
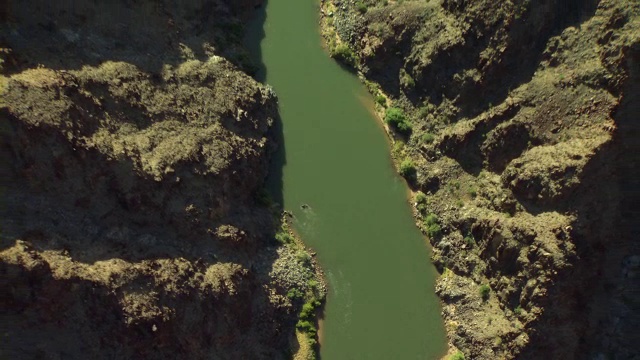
396, 118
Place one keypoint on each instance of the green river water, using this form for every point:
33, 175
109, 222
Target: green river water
335, 159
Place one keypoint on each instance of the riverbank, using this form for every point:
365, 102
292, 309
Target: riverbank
306, 342
485, 155
348, 203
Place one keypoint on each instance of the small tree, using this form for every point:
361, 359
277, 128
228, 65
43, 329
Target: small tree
344, 53
362, 7
470, 240
428, 138
396, 118
407, 168
432, 227
485, 292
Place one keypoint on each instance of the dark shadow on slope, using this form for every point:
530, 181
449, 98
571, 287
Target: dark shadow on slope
70, 34
594, 306
468, 150
253, 42
614, 306
274, 182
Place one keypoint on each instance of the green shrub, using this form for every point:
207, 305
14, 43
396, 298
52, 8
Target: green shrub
312, 342
303, 257
284, 237
404, 128
428, 138
518, 310
295, 293
485, 292
396, 118
431, 219
313, 284
406, 80
457, 356
371, 86
422, 208
307, 326
398, 148
381, 100
432, 227
421, 202
362, 7
470, 240
344, 53
407, 168
307, 311
433, 231
426, 110
307, 316
394, 115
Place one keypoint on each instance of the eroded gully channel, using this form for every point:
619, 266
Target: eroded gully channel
335, 175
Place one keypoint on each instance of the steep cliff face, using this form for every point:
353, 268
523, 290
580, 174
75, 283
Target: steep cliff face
516, 125
134, 151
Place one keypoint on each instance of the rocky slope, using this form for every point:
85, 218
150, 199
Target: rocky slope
134, 151
516, 124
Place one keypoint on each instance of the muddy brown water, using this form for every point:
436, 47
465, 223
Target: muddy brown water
335, 175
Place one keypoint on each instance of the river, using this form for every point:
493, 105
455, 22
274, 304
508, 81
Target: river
335, 175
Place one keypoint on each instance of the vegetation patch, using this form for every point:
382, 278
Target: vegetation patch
432, 226
283, 237
343, 53
397, 120
307, 295
518, 310
428, 138
470, 240
362, 7
407, 169
485, 292
421, 202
